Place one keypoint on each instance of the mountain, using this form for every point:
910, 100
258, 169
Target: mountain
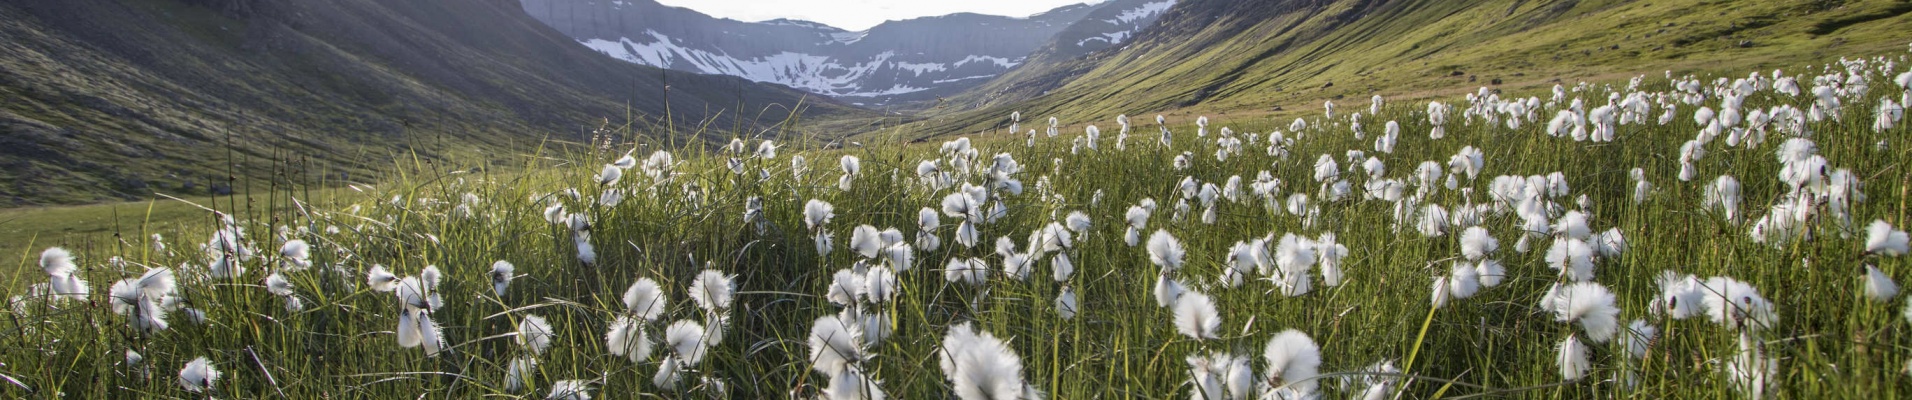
894, 62
1111, 25
1252, 57
117, 99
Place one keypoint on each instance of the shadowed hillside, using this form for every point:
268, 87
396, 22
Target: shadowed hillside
105, 99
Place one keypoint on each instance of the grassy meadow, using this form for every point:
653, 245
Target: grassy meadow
323, 323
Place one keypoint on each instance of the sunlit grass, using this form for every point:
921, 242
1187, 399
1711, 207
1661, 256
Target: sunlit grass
1830, 340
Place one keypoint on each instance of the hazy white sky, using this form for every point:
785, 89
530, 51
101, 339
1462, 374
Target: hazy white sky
858, 15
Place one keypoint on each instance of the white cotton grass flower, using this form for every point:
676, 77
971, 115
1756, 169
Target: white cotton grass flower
58, 261
926, 222
1379, 382
1609, 243
144, 299
767, 149
534, 334
277, 285
1737, 305
1061, 267
1167, 291
381, 279
816, 213
501, 274
1221, 376
973, 271
1750, 371
1724, 196
1908, 309
1292, 359
1077, 221
846, 288
137, 363
1138, 219
1636, 339
644, 299
1293, 257
628, 338
1196, 317
852, 385
1477, 244
1018, 266
1328, 254
1432, 221
712, 290
668, 372
1066, 303
865, 240
1572, 257
900, 255
1573, 224
63, 278
1491, 272
1879, 287
1572, 359
198, 376
981, 367
1641, 187
1590, 305
879, 285
418, 297
569, 390
1881, 239
1165, 251
876, 326
1680, 296
852, 167
1205, 375
296, 254
627, 161
1442, 292
1463, 281
836, 344
1242, 260
609, 175
1238, 376
686, 341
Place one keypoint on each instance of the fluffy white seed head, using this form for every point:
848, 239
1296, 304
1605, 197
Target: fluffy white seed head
1196, 317
198, 376
644, 299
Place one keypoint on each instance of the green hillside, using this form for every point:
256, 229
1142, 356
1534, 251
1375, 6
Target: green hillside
106, 100
1253, 58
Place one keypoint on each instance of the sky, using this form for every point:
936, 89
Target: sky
857, 15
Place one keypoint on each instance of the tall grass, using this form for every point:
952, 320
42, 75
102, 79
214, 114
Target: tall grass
1830, 341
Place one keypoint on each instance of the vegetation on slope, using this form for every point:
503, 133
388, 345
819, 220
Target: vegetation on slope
117, 99
1256, 58
318, 320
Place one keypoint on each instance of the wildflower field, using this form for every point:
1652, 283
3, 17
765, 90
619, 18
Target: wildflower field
1671, 236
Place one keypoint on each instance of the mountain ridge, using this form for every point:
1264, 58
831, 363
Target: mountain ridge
117, 99
889, 64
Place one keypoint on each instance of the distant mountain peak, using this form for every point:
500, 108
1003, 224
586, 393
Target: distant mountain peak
896, 61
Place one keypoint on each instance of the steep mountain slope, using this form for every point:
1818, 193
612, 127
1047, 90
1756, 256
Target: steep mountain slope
897, 61
1113, 25
1234, 55
103, 99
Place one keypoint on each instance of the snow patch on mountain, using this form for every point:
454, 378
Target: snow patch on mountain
1145, 11
814, 73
